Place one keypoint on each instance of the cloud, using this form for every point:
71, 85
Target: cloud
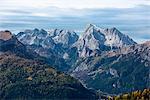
132, 21
77, 4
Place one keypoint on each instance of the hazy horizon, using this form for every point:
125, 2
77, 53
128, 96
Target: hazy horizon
130, 17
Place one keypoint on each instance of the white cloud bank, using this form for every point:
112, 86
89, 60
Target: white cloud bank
76, 4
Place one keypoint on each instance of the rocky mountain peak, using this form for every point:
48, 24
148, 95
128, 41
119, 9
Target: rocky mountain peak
64, 37
113, 29
95, 38
47, 42
5, 35
89, 27
36, 30
147, 43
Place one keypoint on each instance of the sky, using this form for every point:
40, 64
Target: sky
131, 17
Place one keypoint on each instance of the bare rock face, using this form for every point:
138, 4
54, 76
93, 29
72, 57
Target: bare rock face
115, 38
138, 49
36, 37
5, 35
122, 70
55, 40
95, 38
48, 39
64, 37
147, 43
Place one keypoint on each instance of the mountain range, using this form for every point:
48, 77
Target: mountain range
93, 41
102, 59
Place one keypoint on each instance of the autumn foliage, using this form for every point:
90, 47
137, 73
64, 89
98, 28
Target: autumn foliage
136, 95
